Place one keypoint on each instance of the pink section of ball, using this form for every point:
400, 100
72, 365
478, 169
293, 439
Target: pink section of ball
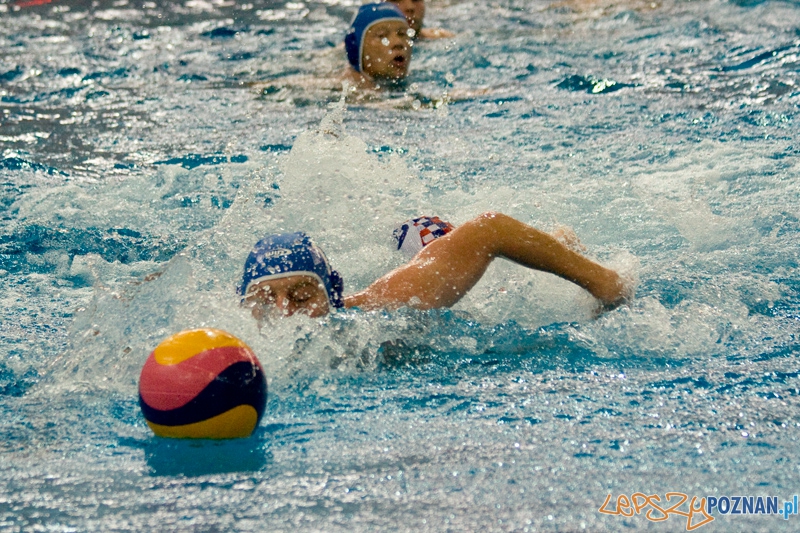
166, 387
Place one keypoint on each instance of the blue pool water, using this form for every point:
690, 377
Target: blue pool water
143, 138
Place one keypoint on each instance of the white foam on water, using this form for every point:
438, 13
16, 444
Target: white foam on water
346, 199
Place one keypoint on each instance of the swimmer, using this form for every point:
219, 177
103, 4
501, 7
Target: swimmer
378, 50
378, 46
287, 274
414, 11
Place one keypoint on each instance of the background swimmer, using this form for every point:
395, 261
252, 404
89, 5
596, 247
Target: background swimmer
378, 50
378, 46
287, 274
414, 11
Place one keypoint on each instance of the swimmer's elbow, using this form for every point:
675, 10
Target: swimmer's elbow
490, 217
492, 220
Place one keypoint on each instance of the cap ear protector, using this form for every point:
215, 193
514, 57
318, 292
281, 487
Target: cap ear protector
366, 17
279, 256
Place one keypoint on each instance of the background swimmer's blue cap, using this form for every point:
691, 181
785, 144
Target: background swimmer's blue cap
367, 15
276, 256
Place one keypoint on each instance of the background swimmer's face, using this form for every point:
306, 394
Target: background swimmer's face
414, 10
287, 296
386, 50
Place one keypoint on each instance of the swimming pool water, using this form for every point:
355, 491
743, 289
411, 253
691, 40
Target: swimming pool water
134, 143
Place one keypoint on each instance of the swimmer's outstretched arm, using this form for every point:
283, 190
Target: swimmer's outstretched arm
446, 269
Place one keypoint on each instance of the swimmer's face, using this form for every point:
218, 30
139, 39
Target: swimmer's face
386, 50
286, 297
414, 10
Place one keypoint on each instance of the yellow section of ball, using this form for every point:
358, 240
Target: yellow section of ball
233, 424
186, 344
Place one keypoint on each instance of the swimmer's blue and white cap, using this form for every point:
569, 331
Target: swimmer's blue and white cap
367, 15
413, 235
290, 254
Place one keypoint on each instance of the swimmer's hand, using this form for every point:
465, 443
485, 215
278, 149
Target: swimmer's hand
435, 33
617, 291
613, 290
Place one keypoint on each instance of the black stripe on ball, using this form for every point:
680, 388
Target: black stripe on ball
241, 383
